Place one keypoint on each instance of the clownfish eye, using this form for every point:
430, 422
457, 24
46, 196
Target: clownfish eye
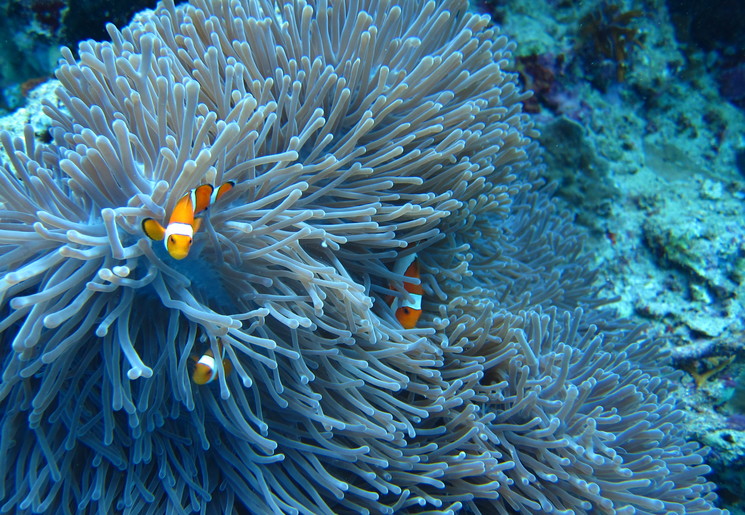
406, 310
171, 239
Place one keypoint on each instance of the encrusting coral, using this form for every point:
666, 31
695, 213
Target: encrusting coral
356, 133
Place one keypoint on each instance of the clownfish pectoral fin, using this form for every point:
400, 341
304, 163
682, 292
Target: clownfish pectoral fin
222, 190
197, 224
201, 197
153, 229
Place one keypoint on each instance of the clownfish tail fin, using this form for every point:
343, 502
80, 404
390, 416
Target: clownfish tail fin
153, 229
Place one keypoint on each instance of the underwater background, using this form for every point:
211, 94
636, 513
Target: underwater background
640, 106
639, 111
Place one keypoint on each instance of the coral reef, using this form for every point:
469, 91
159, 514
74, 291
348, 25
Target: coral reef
30, 50
669, 138
608, 35
33, 31
581, 173
356, 134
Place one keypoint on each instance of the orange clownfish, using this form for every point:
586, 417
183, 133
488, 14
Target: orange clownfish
408, 309
182, 225
205, 370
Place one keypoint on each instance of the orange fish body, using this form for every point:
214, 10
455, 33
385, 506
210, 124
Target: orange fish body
408, 309
183, 223
205, 370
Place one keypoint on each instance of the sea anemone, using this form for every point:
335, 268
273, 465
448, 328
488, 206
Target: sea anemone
356, 133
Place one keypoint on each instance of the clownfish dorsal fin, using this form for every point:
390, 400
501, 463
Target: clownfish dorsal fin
222, 190
183, 211
201, 197
153, 229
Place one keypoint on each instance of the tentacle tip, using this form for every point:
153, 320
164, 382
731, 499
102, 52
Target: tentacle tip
137, 372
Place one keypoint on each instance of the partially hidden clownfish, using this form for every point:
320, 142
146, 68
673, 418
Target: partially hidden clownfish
408, 309
179, 233
205, 369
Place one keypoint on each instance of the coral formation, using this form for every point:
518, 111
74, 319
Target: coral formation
582, 174
671, 242
355, 133
33, 31
30, 32
609, 34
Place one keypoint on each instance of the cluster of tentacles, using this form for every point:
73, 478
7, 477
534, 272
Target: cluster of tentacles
356, 133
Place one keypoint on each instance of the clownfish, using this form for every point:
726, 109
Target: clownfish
182, 225
205, 370
408, 309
